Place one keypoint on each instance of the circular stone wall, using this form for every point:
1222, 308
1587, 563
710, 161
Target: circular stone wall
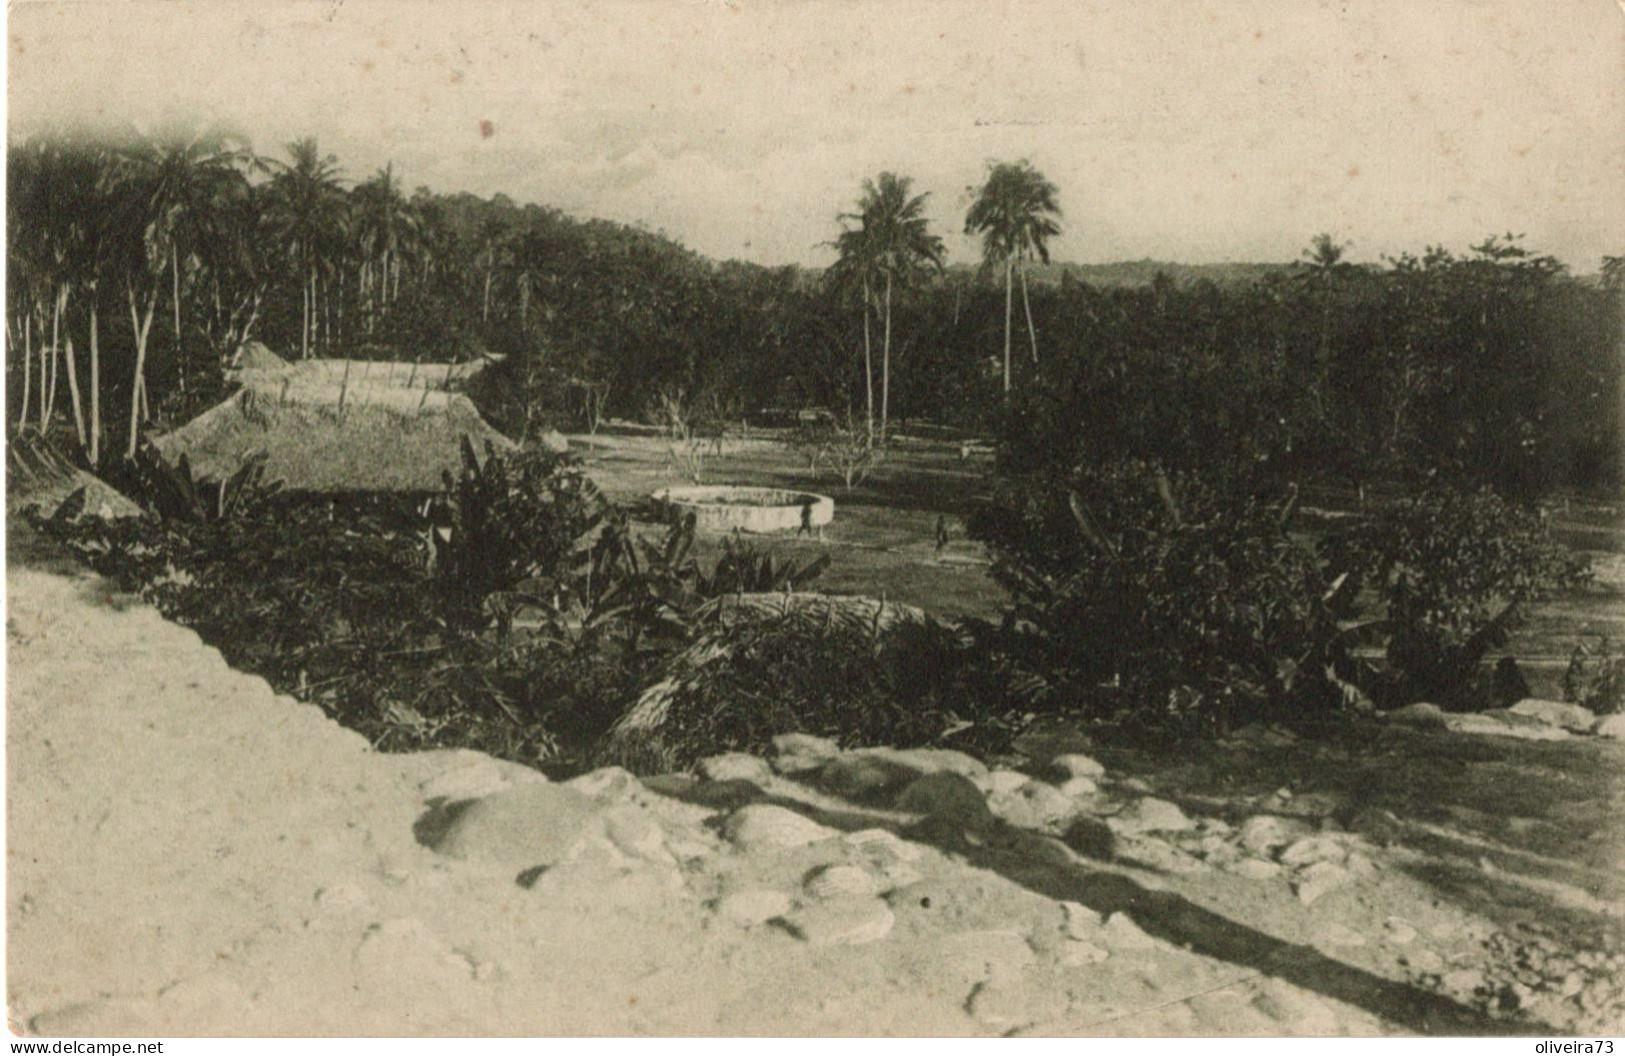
724, 508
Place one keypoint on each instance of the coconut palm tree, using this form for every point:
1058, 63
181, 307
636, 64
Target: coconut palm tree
308, 214
184, 181
386, 230
890, 246
1015, 213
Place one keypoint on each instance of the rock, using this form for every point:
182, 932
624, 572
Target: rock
1504, 723
931, 760
950, 797
1079, 921
1362, 867
609, 784
1253, 868
1150, 852
1312, 849
1034, 805
1309, 805
1262, 834
1313, 882
1150, 815
1612, 726
882, 844
1463, 981
1003, 782
1381, 827
1338, 935
634, 833
865, 778
1423, 716
477, 779
1077, 787
765, 826
1556, 713
1091, 838
1121, 933
841, 922
753, 906
735, 766
522, 827
554, 441
806, 745
1424, 961
1075, 764
841, 881
1399, 932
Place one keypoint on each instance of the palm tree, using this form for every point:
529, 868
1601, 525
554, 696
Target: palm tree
903, 249
185, 180
386, 230
889, 248
308, 212
1015, 213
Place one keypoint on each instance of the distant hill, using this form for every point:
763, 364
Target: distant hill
1129, 273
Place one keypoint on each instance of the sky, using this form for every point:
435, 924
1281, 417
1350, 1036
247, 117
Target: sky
1187, 130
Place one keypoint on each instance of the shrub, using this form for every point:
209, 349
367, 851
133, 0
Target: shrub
825, 668
513, 521
1450, 572
1159, 599
1595, 678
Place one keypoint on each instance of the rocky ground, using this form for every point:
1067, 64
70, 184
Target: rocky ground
190, 854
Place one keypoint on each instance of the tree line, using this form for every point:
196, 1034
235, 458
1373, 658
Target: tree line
140, 262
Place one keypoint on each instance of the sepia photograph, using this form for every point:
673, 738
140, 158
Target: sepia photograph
842, 518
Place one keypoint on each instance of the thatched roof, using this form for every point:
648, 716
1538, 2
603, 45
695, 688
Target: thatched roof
322, 438
256, 364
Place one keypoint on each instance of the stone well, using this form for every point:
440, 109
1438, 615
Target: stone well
727, 508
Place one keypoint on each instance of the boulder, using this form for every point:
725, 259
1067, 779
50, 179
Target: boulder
1034, 805
608, 784
999, 782
554, 441
841, 922
930, 760
1313, 849
947, 796
865, 778
1315, 881
522, 827
1150, 814
734, 766
1612, 726
1571, 717
1502, 722
805, 744
1078, 787
765, 826
1424, 716
1075, 764
1262, 834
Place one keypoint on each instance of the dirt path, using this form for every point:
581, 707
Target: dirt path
190, 854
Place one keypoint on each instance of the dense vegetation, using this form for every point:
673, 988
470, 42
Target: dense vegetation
139, 263
1152, 440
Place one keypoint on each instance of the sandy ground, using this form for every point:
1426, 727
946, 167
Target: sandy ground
190, 854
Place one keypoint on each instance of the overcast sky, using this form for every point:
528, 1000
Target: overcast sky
1176, 129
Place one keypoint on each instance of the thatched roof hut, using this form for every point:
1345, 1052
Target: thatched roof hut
321, 437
